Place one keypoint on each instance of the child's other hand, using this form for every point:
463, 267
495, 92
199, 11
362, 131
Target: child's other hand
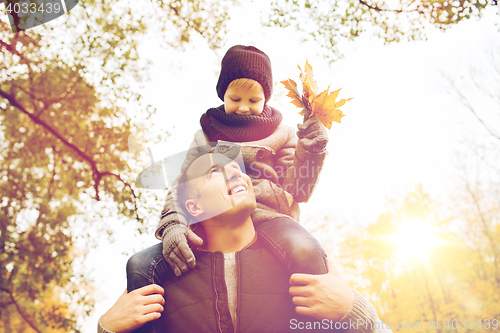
176, 250
312, 135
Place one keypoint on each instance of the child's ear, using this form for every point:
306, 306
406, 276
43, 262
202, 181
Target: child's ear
193, 208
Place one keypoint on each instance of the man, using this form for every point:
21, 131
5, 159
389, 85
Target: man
237, 285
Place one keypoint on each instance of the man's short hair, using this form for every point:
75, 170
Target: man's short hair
186, 190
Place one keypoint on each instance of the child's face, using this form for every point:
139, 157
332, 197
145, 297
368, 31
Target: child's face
244, 101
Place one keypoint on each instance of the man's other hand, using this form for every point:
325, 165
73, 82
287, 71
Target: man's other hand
324, 296
133, 310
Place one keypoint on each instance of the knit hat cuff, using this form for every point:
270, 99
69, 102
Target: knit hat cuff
245, 62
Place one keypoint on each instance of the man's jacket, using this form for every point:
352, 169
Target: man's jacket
197, 301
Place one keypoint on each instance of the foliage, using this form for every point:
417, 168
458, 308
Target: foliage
454, 281
64, 142
60, 146
322, 105
331, 22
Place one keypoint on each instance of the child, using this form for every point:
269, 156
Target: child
284, 169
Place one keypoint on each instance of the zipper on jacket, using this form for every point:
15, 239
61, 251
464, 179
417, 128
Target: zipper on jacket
237, 263
214, 287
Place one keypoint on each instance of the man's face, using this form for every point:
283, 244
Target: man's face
244, 101
221, 187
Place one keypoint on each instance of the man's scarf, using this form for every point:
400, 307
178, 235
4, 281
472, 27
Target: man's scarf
218, 125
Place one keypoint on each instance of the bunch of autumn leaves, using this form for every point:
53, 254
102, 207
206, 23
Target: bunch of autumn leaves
323, 105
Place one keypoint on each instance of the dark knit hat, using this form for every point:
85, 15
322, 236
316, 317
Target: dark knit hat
245, 62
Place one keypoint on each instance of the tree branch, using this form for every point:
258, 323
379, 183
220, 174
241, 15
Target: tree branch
188, 23
487, 232
378, 9
97, 175
468, 105
127, 185
12, 49
18, 308
42, 123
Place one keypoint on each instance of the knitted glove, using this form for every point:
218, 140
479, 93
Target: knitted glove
176, 250
312, 135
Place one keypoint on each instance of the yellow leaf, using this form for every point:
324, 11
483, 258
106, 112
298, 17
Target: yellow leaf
330, 99
341, 102
323, 105
309, 75
327, 118
319, 101
308, 69
338, 116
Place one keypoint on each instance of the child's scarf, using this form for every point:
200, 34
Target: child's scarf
218, 125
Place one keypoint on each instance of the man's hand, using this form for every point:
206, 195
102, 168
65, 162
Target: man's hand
312, 135
176, 250
131, 311
324, 296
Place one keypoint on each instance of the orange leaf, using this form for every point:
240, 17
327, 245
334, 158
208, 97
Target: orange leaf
309, 77
303, 111
293, 92
296, 100
308, 69
323, 105
309, 94
291, 85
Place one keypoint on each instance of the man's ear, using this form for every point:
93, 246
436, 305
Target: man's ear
193, 208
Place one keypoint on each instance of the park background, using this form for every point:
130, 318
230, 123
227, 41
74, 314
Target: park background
408, 200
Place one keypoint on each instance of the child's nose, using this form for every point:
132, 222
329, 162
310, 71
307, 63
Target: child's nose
244, 107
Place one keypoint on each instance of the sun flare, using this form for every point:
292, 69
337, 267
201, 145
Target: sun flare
414, 239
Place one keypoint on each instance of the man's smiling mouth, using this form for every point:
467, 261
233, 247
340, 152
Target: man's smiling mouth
237, 189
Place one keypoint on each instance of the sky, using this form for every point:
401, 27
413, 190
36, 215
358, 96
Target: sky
402, 129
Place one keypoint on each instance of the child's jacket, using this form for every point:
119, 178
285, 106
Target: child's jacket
276, 163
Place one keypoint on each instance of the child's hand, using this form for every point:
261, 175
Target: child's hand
176, 250
313, 135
